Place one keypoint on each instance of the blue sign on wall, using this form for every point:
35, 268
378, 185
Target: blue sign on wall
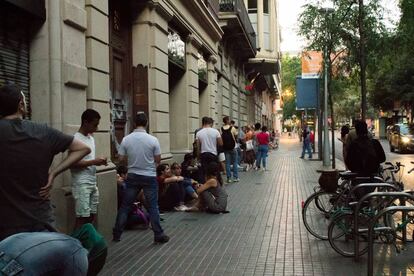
307, 91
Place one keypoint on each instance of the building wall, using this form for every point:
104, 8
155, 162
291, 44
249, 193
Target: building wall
69, 71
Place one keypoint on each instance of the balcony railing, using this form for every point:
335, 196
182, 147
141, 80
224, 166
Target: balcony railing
238, 7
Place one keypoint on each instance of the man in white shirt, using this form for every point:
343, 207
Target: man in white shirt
143, 153
208, 138
84, 188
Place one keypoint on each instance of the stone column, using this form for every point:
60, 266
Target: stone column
97, 62
194, 121
207, 99
150, 49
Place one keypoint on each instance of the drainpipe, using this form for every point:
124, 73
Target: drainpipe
55, 67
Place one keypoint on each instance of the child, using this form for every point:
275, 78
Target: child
213, 196
84, 188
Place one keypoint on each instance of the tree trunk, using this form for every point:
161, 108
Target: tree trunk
362, 60
332, 115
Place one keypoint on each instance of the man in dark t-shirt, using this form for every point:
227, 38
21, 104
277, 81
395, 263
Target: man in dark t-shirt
27, 150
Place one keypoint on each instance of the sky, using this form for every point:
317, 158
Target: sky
289, 11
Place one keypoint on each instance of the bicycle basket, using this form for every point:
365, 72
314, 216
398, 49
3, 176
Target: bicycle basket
329, 180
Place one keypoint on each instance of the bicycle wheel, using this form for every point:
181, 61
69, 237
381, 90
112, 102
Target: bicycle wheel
396, 221
341, 234
316, 213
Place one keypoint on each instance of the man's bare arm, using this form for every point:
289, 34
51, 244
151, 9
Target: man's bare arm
123, 160
77, 150
219, 141
157, 159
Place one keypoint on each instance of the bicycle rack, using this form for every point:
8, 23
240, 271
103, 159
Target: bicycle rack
403, 209
392, 195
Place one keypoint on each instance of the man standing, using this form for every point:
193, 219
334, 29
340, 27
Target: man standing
229, 134
143, 153
208, 138
84, 188
306, 142
27, 150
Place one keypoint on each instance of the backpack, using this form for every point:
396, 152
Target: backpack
138, 217
95, 243
228, 139
364, 156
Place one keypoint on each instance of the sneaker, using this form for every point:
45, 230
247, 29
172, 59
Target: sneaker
236, 180
116, 239
161, 239
181, 208
263, 169
193, 209
301, 157
229, 180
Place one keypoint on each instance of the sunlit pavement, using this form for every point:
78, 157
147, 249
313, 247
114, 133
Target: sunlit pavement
262, 235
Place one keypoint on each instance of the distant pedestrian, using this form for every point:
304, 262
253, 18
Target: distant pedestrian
143, 153
228, 135
257, 127
306, 142
249, 155
263, 139
84, 187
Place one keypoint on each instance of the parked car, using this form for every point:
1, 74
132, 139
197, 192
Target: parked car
402, 138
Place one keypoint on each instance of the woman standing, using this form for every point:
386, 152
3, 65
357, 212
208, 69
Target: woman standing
262, 139
249, 156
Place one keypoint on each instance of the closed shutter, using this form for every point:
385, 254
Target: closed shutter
14, 55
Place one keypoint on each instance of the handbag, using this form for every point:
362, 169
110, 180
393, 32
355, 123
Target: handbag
249, 145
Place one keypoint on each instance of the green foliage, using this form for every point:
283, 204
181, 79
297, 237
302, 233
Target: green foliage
393, 67
291, 69
337, 33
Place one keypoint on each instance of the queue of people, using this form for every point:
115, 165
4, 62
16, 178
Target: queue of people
146, 186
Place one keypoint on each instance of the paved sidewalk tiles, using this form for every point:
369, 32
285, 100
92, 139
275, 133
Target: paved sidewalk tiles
262, 235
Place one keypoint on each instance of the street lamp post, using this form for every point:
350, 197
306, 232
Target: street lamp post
326, 150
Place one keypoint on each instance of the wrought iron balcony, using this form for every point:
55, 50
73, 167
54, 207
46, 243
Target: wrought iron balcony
238, 8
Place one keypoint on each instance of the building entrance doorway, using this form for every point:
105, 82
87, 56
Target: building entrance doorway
120, 68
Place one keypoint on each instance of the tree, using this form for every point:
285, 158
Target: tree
393, 70
344, 36
291, 69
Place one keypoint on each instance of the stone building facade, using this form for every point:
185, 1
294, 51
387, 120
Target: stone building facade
177, 60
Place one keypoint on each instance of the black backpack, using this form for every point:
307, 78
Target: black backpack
364, 156
228, 139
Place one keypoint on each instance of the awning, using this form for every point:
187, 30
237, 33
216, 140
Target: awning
264, 66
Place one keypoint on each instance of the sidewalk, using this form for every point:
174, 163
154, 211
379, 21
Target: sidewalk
262, 235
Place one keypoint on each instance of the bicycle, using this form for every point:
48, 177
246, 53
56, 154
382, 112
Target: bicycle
341, 234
